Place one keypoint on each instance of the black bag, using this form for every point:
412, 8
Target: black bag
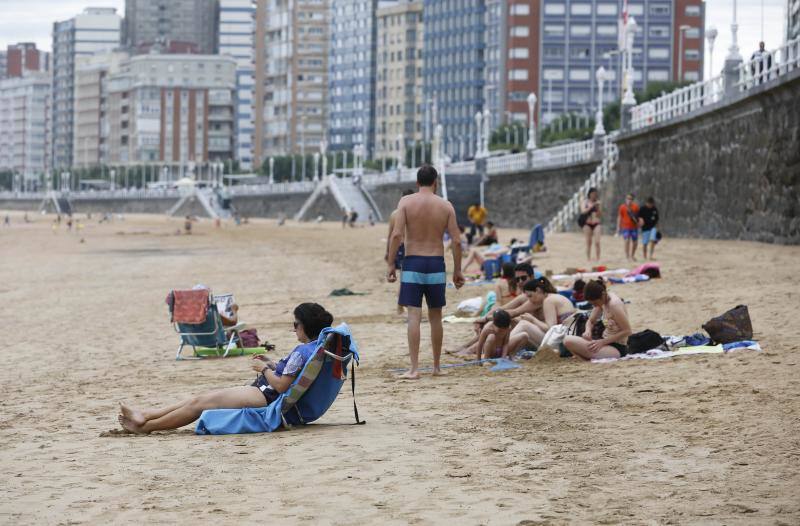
732, 326
644, 341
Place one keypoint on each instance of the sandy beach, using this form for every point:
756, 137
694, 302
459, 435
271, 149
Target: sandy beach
709, 439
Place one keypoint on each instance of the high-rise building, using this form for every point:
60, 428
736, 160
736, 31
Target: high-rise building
3, 61
24, 57
454, 69
91, 119
399, 112
24, 124
191, 25
236, 39
793, 19
94, 30
171, 110
351, 74
291, 76
579, 36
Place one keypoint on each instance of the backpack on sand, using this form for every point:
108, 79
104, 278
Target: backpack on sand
644, 341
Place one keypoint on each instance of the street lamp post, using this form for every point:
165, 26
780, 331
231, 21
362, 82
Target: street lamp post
401, 151
316, 166
628, 99
711, 36
681, 31
599, 129
271, 170
479, 135
303, 147
733, 51
531, 122
323, 150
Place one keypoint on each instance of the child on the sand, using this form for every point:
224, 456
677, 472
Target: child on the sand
496, 345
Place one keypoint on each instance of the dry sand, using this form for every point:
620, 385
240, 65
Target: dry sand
692, 440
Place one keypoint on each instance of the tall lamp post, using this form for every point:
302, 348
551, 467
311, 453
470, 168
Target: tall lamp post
599, 129
531, 122
271, 170
323, 150
681, 32
479, 135
711, 36
628, 99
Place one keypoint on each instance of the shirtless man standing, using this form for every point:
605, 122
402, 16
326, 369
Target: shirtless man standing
423, 218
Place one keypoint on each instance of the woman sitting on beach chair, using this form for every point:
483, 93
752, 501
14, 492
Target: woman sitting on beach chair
273, 379
614, 343
555, 309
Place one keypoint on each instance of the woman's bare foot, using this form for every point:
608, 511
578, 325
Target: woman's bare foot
408, 375
129, 426
439, 372
132, 414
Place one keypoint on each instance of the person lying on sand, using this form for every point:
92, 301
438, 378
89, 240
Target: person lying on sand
556, 309
497, 338
614, 343
273, 379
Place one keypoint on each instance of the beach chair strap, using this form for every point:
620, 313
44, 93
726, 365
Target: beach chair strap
353, 386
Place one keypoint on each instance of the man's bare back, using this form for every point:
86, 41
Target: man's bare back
426, 218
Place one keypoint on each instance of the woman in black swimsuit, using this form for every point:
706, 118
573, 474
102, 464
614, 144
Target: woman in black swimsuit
592, 229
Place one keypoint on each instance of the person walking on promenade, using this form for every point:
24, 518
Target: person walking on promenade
421, 222
628, 226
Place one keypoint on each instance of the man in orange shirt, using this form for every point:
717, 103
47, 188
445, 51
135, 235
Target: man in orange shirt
628, 226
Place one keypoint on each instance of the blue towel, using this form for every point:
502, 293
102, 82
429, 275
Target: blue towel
312, 405
504, 364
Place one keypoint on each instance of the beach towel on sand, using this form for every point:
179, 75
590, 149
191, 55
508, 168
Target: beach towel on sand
312, 393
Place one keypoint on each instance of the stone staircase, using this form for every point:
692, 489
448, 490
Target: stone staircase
351, 196
566, 218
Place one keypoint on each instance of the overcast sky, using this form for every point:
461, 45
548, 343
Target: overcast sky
32, 20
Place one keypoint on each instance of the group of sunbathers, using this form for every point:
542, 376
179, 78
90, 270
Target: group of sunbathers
528, 306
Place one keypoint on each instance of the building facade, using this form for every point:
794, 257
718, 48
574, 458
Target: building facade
173, 110
23, 58
94, 30
793, 19
237, 39
454, 69
3, 61
91, 119
190, 22
351, 75
292, 76
579, 36
24, 124
399, 111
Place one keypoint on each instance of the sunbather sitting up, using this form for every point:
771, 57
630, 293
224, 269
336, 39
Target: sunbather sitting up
506, 288
273, 379
614, 343
556, 308
490, 237
496, 344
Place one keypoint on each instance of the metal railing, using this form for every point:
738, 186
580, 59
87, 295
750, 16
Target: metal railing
769, 65
763, 68
295, 187
404, 175
601, 174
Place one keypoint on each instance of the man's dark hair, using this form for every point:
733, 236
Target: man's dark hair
426, 175
650, 200
527, 268
501, 319
407, 191
313, 317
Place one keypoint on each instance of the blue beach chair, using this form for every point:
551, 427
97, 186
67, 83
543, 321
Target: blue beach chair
309, 397
209, 334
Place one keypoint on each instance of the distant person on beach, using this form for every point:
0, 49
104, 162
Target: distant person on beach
345, 217
273, 379
589, 221
477, 216
490, 237
7, 221
353, 218
398, 256
628, 225
421, 221
760, 64
609, 306
648, 219
187, 225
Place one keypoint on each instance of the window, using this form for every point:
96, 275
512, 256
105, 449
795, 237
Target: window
579, 97
519, 31
553, 52
692, 32
692, 10
580, 30
579, 52
554, 9
518, 52
659, 31
553, 74
554, 30
518, 74
658, 52
581, 9
658, 75
636, 9
579, 74
691, 54
692, 76
520, 9
607, 30
607, 9
659, 9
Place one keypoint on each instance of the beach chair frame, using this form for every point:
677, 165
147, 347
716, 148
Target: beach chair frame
227, 343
